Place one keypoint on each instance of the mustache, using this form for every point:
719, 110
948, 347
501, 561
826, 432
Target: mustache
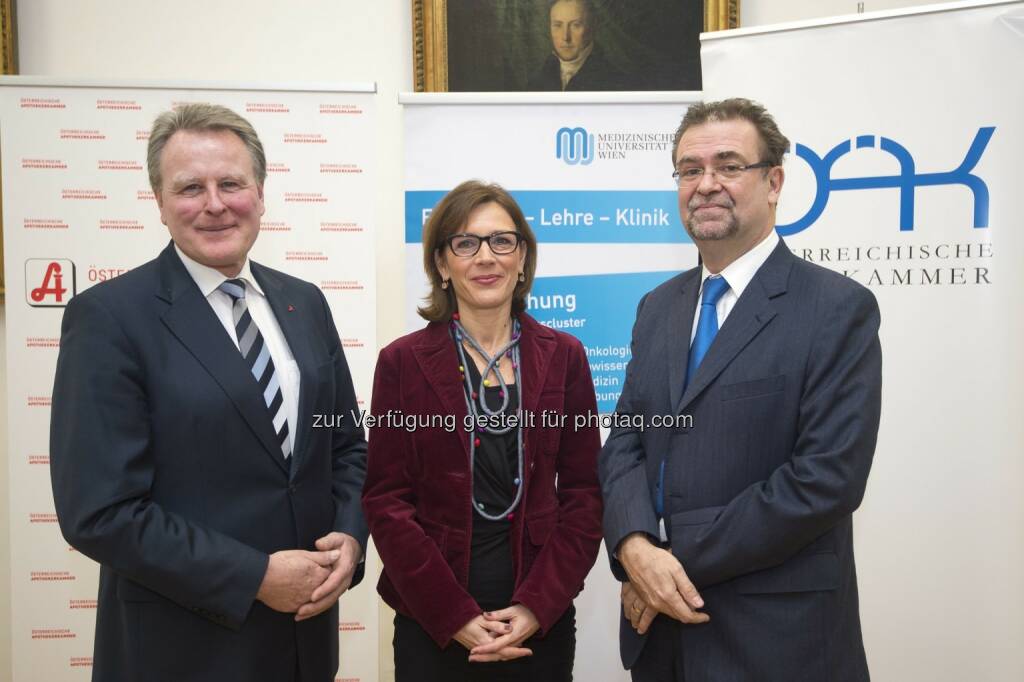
719, 200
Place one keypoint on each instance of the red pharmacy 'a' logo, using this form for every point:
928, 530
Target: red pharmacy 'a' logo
49, 282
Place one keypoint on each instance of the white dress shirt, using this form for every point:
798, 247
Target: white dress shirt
738, 274
570, 68
208, 279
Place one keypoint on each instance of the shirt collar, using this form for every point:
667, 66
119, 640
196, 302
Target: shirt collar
741, 271
570, 68
208, 279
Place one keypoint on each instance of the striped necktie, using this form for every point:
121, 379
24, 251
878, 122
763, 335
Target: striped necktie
256, 354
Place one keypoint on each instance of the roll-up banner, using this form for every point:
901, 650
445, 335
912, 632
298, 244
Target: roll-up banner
906, 137
77, 210
595, 183
907, 133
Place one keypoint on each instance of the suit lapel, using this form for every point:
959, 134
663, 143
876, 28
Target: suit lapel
439, 364
680, 324
190, 318
752, 312
297, 335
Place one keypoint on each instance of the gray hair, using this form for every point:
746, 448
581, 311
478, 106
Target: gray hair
202, 117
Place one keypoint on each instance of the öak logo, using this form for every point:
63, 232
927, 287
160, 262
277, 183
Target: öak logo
49, 282
574, 146
907, 180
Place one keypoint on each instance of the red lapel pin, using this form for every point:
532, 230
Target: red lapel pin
291, 308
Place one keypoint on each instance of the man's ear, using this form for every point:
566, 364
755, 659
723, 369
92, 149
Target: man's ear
776, 178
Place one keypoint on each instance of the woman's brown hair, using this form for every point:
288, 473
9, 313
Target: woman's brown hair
449, 217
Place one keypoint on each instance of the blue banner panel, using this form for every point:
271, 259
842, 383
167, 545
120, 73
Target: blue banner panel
598, 310
578, 217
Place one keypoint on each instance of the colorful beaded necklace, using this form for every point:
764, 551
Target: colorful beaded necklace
477, 403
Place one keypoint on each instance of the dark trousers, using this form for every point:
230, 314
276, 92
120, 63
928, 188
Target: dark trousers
662, 658
419, 659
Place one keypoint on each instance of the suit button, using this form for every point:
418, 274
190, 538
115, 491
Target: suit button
293, 489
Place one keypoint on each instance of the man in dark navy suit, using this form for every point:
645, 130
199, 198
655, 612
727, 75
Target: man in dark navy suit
183, 455
732, 531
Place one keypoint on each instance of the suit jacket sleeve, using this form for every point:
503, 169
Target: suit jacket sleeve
102, 471
622, 467
825, 478
348, 448
568, 554
412, 561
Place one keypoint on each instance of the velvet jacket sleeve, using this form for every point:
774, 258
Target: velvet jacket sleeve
571, 531
412, 560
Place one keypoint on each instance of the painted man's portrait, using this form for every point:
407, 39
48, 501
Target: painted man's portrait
573, 45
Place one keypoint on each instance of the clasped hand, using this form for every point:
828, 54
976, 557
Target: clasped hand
308, 583
657, 584
498, 635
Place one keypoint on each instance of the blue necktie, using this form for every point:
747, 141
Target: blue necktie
707, 323
257, 357
707, 328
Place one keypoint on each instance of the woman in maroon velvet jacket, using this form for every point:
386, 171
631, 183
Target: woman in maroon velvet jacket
484, 548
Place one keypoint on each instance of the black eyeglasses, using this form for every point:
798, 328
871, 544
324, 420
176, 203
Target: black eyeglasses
690, 175
501, 243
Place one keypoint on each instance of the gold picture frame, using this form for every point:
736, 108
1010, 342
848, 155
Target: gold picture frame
720, 15
9, 48
430, 37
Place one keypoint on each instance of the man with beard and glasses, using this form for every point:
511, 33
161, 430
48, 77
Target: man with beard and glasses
733, 534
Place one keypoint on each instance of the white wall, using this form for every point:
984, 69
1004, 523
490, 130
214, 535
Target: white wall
760, 12
5, 525
313, 40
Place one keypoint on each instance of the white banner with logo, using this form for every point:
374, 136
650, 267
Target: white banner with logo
77, 210
594, 181
908, 133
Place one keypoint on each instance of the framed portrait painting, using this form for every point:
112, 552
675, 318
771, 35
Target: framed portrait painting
563, 45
